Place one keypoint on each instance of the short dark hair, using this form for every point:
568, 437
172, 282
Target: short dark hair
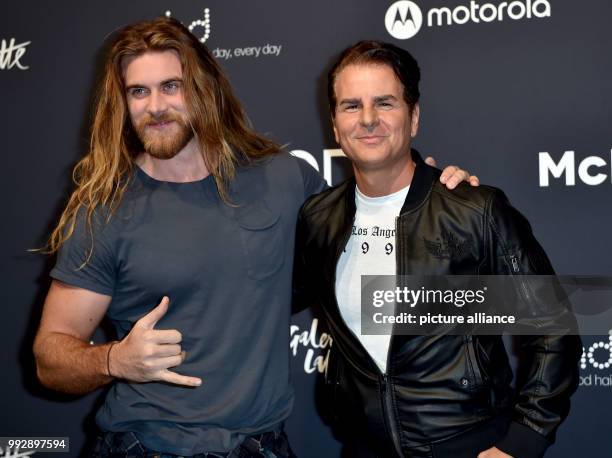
401, 62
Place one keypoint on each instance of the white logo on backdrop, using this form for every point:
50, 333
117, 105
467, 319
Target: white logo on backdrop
590, 169
590, 356
264, 50
403, 19
315, 346
328, 155
11, 53
15, 453
204, 23
598, 356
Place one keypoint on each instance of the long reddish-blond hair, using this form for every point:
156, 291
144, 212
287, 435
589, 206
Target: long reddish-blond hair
218, 120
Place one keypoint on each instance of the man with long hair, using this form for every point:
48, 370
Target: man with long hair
181, 231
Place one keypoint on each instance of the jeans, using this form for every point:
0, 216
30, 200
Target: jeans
126, 445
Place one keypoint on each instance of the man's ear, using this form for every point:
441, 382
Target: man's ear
414, 121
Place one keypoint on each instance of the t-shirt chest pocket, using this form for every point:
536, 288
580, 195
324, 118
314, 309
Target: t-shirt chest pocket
262, 238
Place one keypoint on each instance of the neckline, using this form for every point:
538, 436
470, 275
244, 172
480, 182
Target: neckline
149, 179
382, 200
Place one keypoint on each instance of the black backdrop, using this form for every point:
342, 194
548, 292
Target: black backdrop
503, 94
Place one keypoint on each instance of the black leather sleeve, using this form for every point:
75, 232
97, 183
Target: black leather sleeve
548, 364
302, 298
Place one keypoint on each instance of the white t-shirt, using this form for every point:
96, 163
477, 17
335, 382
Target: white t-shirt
369, 251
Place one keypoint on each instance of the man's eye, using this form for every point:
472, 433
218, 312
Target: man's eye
385, 105
353, 107
171, 88
138, 91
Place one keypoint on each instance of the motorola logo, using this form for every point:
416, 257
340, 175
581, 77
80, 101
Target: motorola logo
403, 19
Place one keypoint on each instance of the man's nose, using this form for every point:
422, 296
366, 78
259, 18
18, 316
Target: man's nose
369, 117
157, 103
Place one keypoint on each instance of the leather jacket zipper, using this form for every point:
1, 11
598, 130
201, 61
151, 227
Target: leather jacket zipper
515, 266
517, 270
386, 389
386, 386
476, 366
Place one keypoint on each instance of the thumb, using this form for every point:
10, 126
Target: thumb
430, 161
150, 319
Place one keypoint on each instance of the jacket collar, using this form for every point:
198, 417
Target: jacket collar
422, 182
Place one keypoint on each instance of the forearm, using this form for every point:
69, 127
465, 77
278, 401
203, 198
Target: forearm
548, 372
70, 365
548, 364
548, 376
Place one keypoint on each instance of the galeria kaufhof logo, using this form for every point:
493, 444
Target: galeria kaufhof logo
404, 18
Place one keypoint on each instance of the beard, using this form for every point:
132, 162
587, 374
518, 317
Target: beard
165, 142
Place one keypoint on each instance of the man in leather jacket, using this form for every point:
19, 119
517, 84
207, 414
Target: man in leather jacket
429, 395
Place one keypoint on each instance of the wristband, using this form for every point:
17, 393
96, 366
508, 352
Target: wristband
108, 359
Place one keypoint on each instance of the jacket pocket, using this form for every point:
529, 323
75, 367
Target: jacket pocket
262, 240
482, 359
481, 388
479, 374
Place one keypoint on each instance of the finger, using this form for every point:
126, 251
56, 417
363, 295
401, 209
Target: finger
165, 336
150, 319
162, 351
447, 173
451, 183
177, 379
474, 181
169, 361
457, 178
430, 161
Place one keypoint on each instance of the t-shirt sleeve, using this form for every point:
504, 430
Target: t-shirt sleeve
313, 181
87, 266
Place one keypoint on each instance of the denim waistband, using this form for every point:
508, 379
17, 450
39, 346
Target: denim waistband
127, 445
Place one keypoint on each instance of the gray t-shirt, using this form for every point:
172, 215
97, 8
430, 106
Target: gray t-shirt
227, 271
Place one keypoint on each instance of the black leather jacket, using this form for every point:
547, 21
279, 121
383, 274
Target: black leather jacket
437, 387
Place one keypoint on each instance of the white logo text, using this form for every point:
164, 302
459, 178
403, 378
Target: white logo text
589, 169
11, 53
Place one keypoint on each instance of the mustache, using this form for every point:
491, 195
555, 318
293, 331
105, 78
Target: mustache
164, 117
